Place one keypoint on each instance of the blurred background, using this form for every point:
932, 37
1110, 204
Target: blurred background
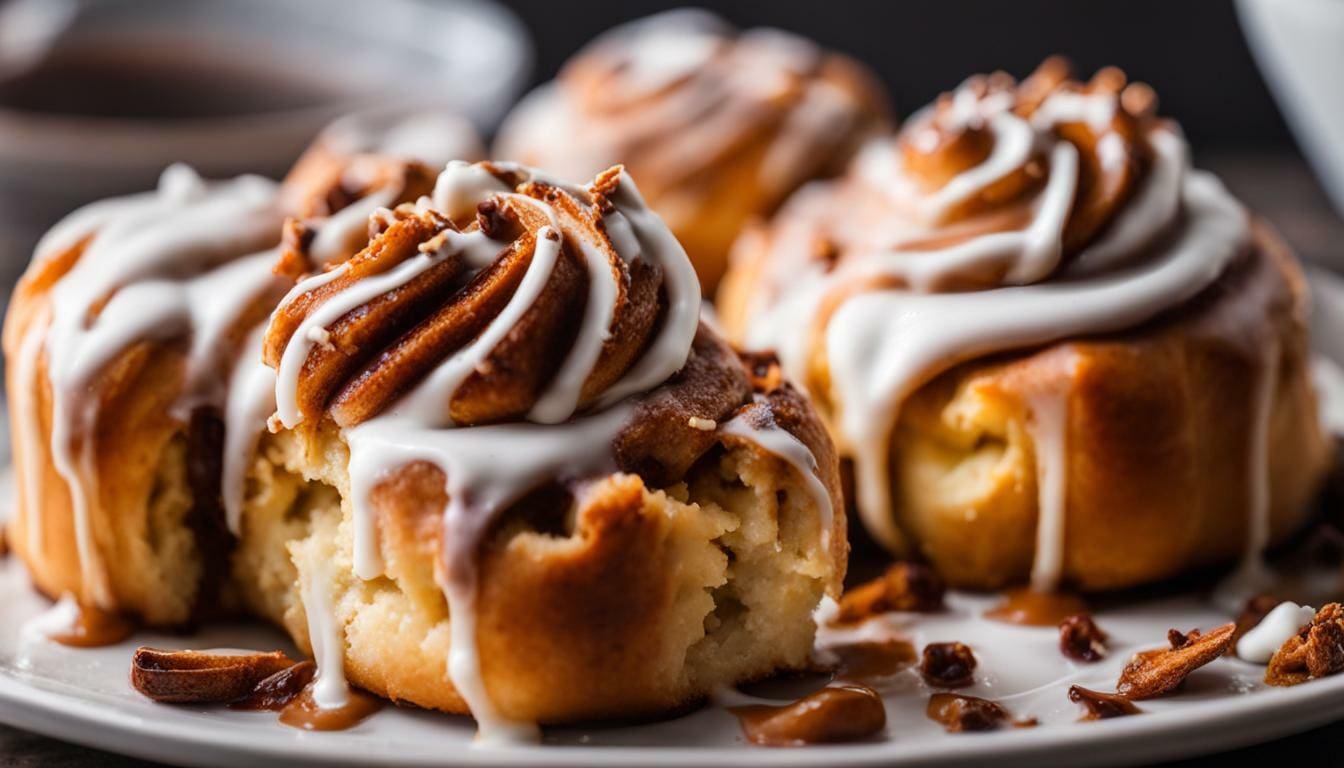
96, 96
1193, 53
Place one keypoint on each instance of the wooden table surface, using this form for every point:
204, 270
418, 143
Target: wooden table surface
1277, 184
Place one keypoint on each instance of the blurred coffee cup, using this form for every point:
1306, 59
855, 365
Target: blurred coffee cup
98, 96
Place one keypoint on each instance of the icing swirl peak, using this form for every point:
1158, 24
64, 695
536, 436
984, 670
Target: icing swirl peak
1005, 183
506, 295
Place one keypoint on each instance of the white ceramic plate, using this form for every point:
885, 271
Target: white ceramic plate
84, 696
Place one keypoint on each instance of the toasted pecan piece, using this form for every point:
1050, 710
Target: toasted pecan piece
1080, 638
904, 587
1150, 674
947, 665
959, 713
1317, 650
1102, 706
201, 677
278, 690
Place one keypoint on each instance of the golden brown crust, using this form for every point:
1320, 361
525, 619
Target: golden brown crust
964, 478
133, 443
1158, 436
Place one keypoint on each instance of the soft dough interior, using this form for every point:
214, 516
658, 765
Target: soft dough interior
633, 602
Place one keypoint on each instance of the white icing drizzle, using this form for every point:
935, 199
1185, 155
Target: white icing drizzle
250, 402
462, 186
487, 468
1261, 641
29, 433
1014, 144
883, 345
326, 635
1049, 433
157, 266
769, 437
333, 235
426, 403
640, 226
1179, 232
1253, 575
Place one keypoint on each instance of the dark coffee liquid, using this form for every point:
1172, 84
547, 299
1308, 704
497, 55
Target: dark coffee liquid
158, 83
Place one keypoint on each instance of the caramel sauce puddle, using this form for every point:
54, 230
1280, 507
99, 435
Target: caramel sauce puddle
873, 658
93, 628
837, 713
305, 714
1033, 608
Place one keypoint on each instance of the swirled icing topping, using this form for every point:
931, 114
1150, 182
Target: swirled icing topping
504, 296
1004, 216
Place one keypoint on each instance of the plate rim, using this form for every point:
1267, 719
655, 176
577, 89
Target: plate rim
1205, 727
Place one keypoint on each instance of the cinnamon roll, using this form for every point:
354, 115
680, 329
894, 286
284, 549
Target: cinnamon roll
529, 484
719, 126
1051, 351
488, 463
120, 342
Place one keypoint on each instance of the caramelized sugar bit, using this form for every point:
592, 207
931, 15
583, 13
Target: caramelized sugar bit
872, 658
904, 587
1033, 608
1317, 650
1080, 638
274, 693
959, 713
947, 665
94, 627
837, 713
201, 677
1157, 672
1102, 706
304, 713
